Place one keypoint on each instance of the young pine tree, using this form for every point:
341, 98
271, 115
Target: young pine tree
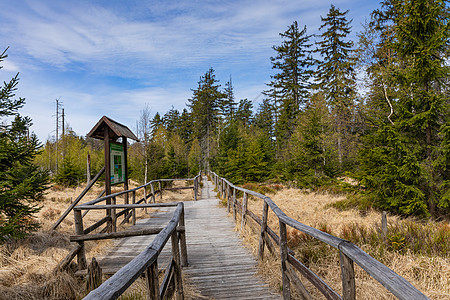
22, 183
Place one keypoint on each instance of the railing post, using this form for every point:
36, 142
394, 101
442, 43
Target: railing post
177, 266
283, 256
152, 190
384, 225
195, 189
183, 248
234, 204
145, 198
348, 277
228, 198
244, 210
263, 230
113, 216
81, 256
160, 189
133, 211
152, 280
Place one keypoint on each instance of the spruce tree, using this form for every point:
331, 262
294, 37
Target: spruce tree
335, 74
204, 106
289, 87
22, 183
313, 159
404, 161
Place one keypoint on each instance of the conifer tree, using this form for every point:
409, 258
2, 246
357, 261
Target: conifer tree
264, 118
335, 73
313, 158
204, 106
404, 160
244, 113
289, 87
22, 183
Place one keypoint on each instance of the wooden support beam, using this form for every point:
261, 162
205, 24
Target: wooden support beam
283, 259
114, 235
96, 225
152, 280
81, 257
263, 231
82, 194
348, 277
183, 247
244, 210
177, 267
297, 283
164, 291
66, 261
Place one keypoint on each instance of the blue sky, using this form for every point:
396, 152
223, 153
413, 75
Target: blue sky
114, 57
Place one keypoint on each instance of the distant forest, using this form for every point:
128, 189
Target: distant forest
375, 110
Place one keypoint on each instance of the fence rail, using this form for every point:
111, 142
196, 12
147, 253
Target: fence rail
348, 252
146, 262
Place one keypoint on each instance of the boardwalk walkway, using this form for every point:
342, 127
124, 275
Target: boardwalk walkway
219, 266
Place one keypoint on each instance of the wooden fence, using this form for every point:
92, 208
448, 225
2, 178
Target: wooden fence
348, 252
146, 262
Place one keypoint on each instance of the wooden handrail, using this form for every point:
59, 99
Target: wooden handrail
122, 279
104, 198
146, 262
349, 252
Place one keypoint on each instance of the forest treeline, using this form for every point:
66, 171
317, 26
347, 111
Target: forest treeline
375, 109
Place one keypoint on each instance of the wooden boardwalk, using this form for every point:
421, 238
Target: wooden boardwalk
219, 266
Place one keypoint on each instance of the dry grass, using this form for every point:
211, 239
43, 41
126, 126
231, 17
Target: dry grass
27, 266
430, 274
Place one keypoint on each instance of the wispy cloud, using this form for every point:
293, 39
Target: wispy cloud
112, 57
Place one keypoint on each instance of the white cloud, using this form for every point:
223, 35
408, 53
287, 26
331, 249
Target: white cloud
154, 51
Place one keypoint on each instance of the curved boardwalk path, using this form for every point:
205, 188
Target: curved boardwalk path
219, 266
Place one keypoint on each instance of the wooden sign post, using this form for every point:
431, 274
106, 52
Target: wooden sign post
116, 162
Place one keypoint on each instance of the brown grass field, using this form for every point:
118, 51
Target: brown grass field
429, 273
27, 266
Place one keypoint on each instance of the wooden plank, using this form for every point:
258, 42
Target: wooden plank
114, 235
70, 256
324, 288
128, 206
348, 277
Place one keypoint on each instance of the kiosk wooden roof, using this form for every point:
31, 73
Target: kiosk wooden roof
116, 130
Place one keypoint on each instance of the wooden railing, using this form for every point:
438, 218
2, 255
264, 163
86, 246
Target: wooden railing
146, 262
348, 252
147, 194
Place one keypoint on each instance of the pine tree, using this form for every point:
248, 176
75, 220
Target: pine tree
290, 87
228, 104
244, 113
335, 74
264, 118
22, 183
313, 159
204, 107
404, 162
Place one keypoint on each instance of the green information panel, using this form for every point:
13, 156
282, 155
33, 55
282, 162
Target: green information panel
117, 163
